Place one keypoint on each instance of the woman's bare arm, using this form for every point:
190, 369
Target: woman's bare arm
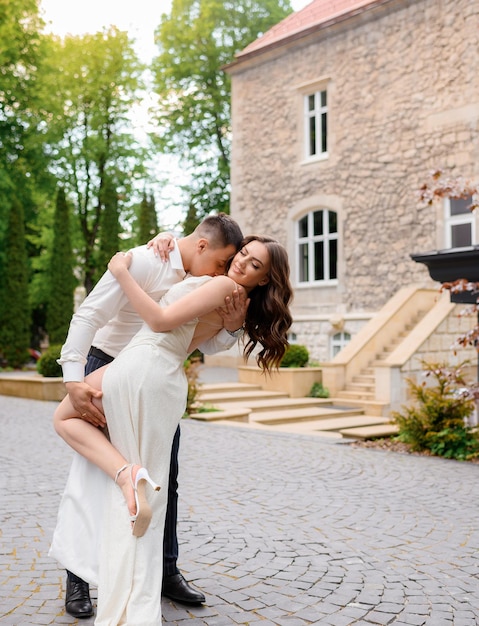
200, 301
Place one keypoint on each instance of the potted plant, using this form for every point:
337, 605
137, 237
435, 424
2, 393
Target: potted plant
294, 376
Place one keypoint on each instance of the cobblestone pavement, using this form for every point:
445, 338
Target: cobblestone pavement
274, 528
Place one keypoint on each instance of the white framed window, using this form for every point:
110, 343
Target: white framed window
316, 124
317, 247
459, 223
338, 342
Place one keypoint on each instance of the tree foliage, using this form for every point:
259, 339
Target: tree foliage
23, 175
195, 41
19, 56
62, 279
109, 228
441, 185
147, 219
14, 308
94, 81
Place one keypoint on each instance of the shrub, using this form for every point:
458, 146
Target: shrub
191, 370
295, 356
437, 421
47, 364
318, 391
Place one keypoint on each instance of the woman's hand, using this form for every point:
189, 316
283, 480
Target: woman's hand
233, 312
162, 245
119, 263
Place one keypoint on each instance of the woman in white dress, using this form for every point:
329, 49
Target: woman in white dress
110, 536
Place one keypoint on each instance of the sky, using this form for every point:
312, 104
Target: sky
139, 18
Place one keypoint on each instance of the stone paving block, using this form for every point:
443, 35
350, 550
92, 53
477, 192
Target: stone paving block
337, 619
271, 613
243, 618
463, 614
413, 620
273, 528
439, 617
291, 621
378, 617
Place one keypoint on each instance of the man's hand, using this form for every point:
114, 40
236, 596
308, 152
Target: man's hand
234, 310
162, 245
81, 395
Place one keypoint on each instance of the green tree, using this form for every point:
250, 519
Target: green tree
195, 41
23, 176
14, 309
62, 279
191, 220
147, 219
20, 25
24, 173
94, 81
109, 228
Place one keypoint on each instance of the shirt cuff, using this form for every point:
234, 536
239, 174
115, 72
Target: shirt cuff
236, 333
73, 372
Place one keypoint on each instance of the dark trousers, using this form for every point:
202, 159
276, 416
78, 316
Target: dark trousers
170, 539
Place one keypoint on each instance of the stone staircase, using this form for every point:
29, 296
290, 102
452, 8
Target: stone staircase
361, 389
372, 370
248, 405
366, 379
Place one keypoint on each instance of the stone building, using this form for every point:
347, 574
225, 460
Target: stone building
340, 112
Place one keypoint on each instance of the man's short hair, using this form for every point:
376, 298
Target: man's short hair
220, 230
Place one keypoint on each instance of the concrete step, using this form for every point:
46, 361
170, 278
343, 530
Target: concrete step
355, 395
363, 379
360, 388
330, 425
370, 432
370, 407
257, 406
240, 414
240, 397
227, 387
244, 404
304, 414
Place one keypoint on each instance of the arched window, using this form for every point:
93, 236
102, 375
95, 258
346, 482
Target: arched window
338, 342
317, 247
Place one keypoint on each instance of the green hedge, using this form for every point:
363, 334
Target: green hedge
47, 364
295, 356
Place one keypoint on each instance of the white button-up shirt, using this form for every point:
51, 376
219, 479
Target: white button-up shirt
107, 320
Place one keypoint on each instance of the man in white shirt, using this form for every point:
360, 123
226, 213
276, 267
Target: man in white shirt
105, 322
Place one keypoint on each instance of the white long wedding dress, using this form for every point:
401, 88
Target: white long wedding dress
144, 398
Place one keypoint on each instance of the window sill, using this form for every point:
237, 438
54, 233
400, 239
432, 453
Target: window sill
318, 283
316, 159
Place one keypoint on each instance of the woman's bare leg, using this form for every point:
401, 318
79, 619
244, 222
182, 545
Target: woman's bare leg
90, 442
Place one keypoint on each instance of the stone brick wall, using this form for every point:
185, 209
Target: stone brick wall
403, 98
442, 346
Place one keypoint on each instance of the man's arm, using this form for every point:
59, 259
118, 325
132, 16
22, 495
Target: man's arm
96, 310
101, 305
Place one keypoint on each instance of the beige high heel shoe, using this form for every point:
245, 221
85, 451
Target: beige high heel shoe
141, 520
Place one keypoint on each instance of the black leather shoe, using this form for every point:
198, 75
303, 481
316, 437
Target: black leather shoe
77, 598
176, 588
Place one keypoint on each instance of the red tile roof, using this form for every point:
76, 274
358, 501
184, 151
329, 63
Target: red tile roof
316, 13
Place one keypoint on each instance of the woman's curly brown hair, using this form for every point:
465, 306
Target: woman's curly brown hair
268, 318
